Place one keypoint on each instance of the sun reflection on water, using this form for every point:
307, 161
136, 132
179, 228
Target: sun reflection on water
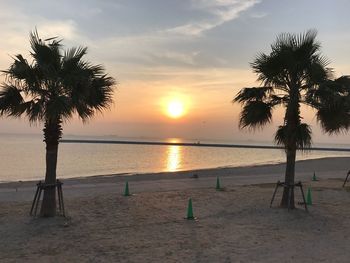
174, 158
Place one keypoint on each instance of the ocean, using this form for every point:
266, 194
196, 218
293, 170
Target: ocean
22, 157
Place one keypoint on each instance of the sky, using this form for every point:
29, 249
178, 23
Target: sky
195, 51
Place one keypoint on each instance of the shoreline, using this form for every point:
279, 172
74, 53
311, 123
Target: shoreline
169, 174
325, 168
185, 173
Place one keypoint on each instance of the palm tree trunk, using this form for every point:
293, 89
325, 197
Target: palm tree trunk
48, 208
52, 133
288, 193
292, 120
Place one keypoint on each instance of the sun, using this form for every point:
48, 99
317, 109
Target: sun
175, 109
175, 105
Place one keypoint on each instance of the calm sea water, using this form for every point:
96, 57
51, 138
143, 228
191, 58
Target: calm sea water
22, 157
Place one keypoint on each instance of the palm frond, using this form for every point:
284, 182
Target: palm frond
84, 112
255, 114
279, 99
60, 108
75, 53
343, 83
101, 93
332, 102
251, 94
11, 101
281, 135
55, 86
307, 40
23, 75
46, 56
270, 70
19, 69
72, 66
334, 117
301, 136
35, 110
293, 57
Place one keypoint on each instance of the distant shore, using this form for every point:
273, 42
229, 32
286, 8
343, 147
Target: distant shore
199, 144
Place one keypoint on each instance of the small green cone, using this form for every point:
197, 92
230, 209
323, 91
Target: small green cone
126, 190
218, 187
314, 177
190, 210
308, 197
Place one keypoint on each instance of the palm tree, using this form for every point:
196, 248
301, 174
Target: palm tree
294, 73
51, 89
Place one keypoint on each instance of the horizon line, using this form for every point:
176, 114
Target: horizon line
199, 144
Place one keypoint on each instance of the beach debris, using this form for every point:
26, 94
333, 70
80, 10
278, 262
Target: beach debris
314, 178
308, 197
218, 186
190, 210
126, 190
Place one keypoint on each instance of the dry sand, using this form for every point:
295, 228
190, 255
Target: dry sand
234, 225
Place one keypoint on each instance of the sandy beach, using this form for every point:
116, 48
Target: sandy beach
233, 225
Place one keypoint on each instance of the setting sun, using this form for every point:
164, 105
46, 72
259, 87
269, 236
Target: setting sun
175, 109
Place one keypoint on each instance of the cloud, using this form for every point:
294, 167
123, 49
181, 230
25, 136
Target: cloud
258, 15
151, 47
64, 29
17, 31
219, 11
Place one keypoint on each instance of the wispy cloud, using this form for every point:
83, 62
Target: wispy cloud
258, 15
66, 29
151, 47
220, 12
16, 33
